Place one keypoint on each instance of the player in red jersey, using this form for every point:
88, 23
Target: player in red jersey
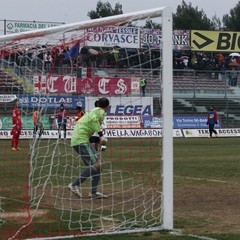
16, 127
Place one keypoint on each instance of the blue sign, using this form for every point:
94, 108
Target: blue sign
184, 122
179, 122
152, 121
51, 101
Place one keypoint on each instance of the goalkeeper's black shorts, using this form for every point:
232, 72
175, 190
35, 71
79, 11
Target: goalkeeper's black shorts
94, 139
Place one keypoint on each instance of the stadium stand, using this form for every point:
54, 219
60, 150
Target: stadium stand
194, 90
9, 83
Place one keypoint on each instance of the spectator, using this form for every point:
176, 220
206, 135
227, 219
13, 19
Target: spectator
34, 57
47, 58
233, 76
143, 84
223, 69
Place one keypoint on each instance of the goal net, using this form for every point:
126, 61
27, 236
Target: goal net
74, 65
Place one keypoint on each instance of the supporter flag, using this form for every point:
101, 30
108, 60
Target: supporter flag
73, 52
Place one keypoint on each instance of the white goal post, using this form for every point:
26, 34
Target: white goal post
52, 182
167, 101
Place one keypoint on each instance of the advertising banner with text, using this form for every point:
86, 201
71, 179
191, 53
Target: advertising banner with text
219, 41
131, 133
124, 37
27, 122
6, 98
123, 122
13, 26
222, 132
151, 38
125, 106
179, 122
109, 133
134, 37
184, 122
50, 101
152, 121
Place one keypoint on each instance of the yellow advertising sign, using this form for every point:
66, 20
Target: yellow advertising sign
212, 41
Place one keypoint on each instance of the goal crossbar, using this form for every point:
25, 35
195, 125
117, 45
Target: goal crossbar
122, 18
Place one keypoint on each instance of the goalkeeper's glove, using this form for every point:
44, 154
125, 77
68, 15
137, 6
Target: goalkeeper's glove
103, 148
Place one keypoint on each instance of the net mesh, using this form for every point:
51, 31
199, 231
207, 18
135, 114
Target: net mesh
131, 176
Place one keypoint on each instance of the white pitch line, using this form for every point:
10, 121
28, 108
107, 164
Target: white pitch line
201, 237
206, 179
180, 233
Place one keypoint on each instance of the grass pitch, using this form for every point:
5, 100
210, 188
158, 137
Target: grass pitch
206, 185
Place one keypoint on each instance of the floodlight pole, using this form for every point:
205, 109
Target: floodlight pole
167, 104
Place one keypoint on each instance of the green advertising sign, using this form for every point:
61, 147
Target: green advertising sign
27, 123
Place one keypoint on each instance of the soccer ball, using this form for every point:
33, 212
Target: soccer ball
103, 141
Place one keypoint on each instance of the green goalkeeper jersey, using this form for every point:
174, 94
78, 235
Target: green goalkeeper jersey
87, 125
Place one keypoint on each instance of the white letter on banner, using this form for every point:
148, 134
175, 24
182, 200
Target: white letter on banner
50, 84
122, 88
70, 85
102, 85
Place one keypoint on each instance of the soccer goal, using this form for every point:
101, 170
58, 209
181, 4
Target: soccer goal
74, 65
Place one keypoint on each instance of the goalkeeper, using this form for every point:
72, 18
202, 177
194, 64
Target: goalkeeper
83, 130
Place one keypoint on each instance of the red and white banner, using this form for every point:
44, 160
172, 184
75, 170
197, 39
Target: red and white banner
54, 84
